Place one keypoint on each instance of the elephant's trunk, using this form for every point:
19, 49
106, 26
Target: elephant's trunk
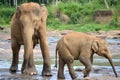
110, 60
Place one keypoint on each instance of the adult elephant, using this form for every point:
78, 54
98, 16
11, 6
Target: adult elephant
80, 46
28, 27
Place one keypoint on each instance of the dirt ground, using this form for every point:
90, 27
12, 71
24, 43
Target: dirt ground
5, 50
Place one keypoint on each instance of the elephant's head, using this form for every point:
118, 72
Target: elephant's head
32, 14
100, 47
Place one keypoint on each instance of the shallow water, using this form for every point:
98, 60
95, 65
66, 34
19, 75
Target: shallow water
97, 71
100, 65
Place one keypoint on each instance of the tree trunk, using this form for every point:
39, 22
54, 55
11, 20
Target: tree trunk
10, 3
106, 4
15, 3
89, 0
56, 2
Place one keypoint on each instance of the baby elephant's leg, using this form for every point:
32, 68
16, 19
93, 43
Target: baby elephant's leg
69, 62
86, 61
61, 69
71, 70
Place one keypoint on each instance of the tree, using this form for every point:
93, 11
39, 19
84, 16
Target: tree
15, 3
106, 4
44, 1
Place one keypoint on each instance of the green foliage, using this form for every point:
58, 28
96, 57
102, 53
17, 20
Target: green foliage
114, 22
5, 15
88, 27
77, 12
80, 14
94, 27
74, 10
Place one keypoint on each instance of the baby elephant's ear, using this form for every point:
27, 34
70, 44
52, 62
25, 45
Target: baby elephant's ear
95, 45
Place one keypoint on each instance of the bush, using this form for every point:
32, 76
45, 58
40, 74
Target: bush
80, 14
77, 12
5, 15
114, 22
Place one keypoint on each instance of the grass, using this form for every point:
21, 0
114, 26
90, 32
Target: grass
89, 27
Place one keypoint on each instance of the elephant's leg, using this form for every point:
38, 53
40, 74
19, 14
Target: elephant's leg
61, 69
28, 50
15, 57
31, 64
45, 53
86, 61
71, 70
69, 60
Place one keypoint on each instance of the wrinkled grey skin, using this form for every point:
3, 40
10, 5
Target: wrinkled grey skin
28, 28
80, 46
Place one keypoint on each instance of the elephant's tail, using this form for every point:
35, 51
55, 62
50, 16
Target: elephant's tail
56, 57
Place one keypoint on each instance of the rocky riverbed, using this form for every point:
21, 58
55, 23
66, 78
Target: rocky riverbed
101, 68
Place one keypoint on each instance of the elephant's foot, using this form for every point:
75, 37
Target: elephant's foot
86, 74
61, 77
86, 78
13, 68
29, 71
74, 77
46, 73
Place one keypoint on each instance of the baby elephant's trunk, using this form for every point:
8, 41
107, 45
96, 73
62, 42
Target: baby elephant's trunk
110, 60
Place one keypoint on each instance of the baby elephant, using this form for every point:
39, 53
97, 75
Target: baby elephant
80, 46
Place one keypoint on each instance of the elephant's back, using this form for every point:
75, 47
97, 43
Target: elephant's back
77, 41
72, 44
77, 35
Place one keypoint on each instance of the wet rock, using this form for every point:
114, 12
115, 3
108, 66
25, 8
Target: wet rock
118, 43
4, 70
97, 70
113, 34
1, 49
78, 69
65, 32
1, 28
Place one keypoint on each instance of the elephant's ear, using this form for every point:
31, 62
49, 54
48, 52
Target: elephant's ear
95, 45
18, 12
44, 12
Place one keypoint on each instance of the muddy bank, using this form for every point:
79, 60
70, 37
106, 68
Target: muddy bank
101, 68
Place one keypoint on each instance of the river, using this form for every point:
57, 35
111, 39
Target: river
100, 66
